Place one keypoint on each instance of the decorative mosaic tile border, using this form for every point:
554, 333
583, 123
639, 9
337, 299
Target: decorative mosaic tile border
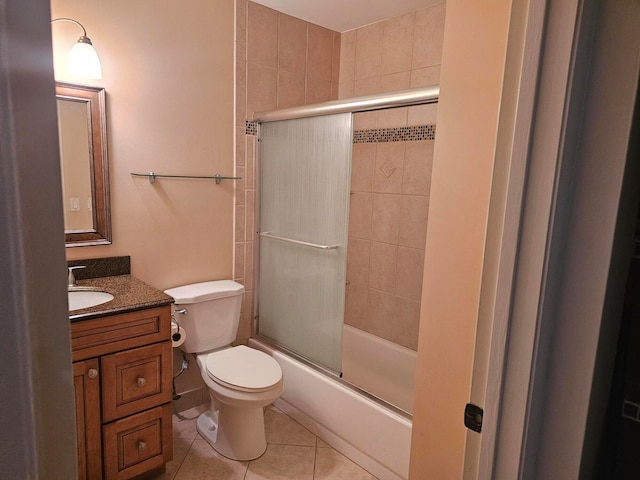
399, 134
250, 128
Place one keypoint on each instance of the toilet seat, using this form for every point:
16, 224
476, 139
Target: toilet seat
244, 369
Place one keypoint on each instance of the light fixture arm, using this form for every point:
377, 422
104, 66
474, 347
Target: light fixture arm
85, 61
65, 19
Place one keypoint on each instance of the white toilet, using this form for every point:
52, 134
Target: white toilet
241, 380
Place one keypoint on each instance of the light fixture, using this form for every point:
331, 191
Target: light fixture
83, 60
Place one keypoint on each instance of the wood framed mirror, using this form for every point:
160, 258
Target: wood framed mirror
82, 130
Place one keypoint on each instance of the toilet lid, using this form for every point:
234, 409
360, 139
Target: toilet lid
244, 368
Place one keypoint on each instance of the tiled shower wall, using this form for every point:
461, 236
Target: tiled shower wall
282, 62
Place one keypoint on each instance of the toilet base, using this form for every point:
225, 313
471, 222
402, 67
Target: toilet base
236, 433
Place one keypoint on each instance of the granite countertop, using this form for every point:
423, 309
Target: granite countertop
129, 294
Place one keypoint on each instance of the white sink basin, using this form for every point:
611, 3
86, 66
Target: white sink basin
86, 299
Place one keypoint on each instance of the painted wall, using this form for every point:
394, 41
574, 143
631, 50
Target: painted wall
474, 50
169, 110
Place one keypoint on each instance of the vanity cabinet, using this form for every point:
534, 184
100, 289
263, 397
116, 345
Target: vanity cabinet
122, 376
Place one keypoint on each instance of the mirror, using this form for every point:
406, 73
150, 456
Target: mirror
82, 131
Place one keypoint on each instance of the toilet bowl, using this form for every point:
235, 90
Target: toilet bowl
241, 381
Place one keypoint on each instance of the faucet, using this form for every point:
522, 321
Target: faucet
72, 279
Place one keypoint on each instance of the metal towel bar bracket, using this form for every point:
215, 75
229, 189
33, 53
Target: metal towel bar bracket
152, 177
299, 242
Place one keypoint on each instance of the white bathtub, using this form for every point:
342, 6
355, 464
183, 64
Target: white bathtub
376, 438
380, 367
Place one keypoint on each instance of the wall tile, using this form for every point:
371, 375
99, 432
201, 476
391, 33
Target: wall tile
387, 176
395, 81
241, 22
335, 58
241, 146
398, 35
427, 39
418, 160
423, 114
363, 159
345, 90
366, 86
241, 105
382, 314
261, 88
369, 51
347, 56
334, 91
251, 162
360, 215
250, 234
358, 261
240, 172
365, 120
414, 212
262, 37
238, 265
240, 225
385, 218
425, 77
292, 44
393, 118
356, 302
249, 266
291, 89
317, 90
241, 65
407, 324
319, 52
383, 265
410, 270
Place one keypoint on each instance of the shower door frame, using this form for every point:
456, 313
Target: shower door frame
403, 98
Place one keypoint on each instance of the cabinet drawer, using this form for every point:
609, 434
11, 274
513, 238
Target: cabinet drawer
138, 443
135, 380
100, 336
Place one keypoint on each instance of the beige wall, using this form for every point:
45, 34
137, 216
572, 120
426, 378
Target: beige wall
168, 74
473, 59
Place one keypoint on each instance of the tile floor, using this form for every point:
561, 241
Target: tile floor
293, 453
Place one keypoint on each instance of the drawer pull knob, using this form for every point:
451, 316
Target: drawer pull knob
92, 373
141, 382
142, 446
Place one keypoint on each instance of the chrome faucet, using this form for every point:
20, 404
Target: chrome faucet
72, 279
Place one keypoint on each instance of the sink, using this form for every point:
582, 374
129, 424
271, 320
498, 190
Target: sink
87, 298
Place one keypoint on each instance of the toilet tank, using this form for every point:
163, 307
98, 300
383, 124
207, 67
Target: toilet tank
212, 313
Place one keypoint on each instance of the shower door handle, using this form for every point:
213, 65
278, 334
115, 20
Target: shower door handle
299, 242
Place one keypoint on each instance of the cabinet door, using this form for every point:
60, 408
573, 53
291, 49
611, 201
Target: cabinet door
86, 382
137, 444
136, 379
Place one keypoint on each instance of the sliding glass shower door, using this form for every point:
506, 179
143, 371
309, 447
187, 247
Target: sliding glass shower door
305, 167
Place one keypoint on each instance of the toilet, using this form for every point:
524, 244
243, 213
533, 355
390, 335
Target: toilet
241, 380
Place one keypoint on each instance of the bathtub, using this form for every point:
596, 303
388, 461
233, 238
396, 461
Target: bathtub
373, 436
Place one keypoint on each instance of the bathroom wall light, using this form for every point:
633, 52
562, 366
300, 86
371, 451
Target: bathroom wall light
83, 60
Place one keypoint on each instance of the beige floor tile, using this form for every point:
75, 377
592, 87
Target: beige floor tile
331, 465
283, 430
181, 447
184, 423
204, 463
283, 462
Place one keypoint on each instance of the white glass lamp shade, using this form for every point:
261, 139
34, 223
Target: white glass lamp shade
83, 60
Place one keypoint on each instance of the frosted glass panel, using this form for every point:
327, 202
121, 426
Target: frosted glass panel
305, 167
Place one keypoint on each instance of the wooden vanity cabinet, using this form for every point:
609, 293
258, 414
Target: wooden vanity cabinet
122, 376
